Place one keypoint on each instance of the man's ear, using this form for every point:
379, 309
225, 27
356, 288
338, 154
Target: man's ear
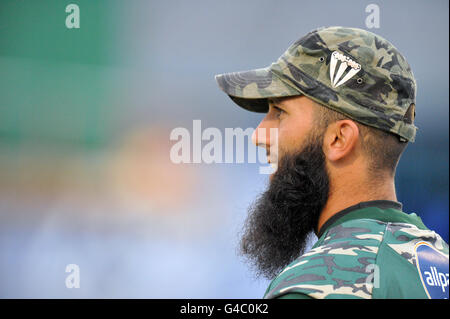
340, 139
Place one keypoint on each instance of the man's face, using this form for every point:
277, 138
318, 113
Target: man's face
293, 119
282, 218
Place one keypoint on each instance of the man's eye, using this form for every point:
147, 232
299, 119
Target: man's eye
278, 111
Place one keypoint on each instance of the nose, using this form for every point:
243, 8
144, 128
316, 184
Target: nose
261, 135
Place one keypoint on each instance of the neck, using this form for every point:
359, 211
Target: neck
351, 193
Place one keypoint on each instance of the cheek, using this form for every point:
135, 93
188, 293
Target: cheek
291, 134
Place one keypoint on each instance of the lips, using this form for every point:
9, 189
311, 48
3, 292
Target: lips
273, 163
272, 158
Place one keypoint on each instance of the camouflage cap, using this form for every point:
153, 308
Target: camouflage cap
349, 70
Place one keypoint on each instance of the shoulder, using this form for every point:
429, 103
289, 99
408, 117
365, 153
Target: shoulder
405, 238
413, 263
338, 266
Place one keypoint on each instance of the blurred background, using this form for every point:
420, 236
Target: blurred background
85, 118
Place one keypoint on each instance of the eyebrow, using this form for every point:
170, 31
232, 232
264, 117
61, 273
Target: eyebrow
277, 101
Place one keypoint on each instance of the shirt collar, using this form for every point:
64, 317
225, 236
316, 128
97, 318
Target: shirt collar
382, 204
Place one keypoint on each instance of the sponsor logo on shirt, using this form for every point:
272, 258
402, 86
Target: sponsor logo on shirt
433, 270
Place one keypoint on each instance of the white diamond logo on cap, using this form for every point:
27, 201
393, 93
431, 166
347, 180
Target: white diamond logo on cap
345, 62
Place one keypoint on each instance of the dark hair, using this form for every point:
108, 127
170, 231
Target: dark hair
383, 149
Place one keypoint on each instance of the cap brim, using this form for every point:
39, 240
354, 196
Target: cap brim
251, 89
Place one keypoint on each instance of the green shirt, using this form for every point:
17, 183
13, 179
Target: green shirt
370, 250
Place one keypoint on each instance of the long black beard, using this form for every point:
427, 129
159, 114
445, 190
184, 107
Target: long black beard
282, 218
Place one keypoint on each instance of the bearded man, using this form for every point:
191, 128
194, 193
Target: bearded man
343, 103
